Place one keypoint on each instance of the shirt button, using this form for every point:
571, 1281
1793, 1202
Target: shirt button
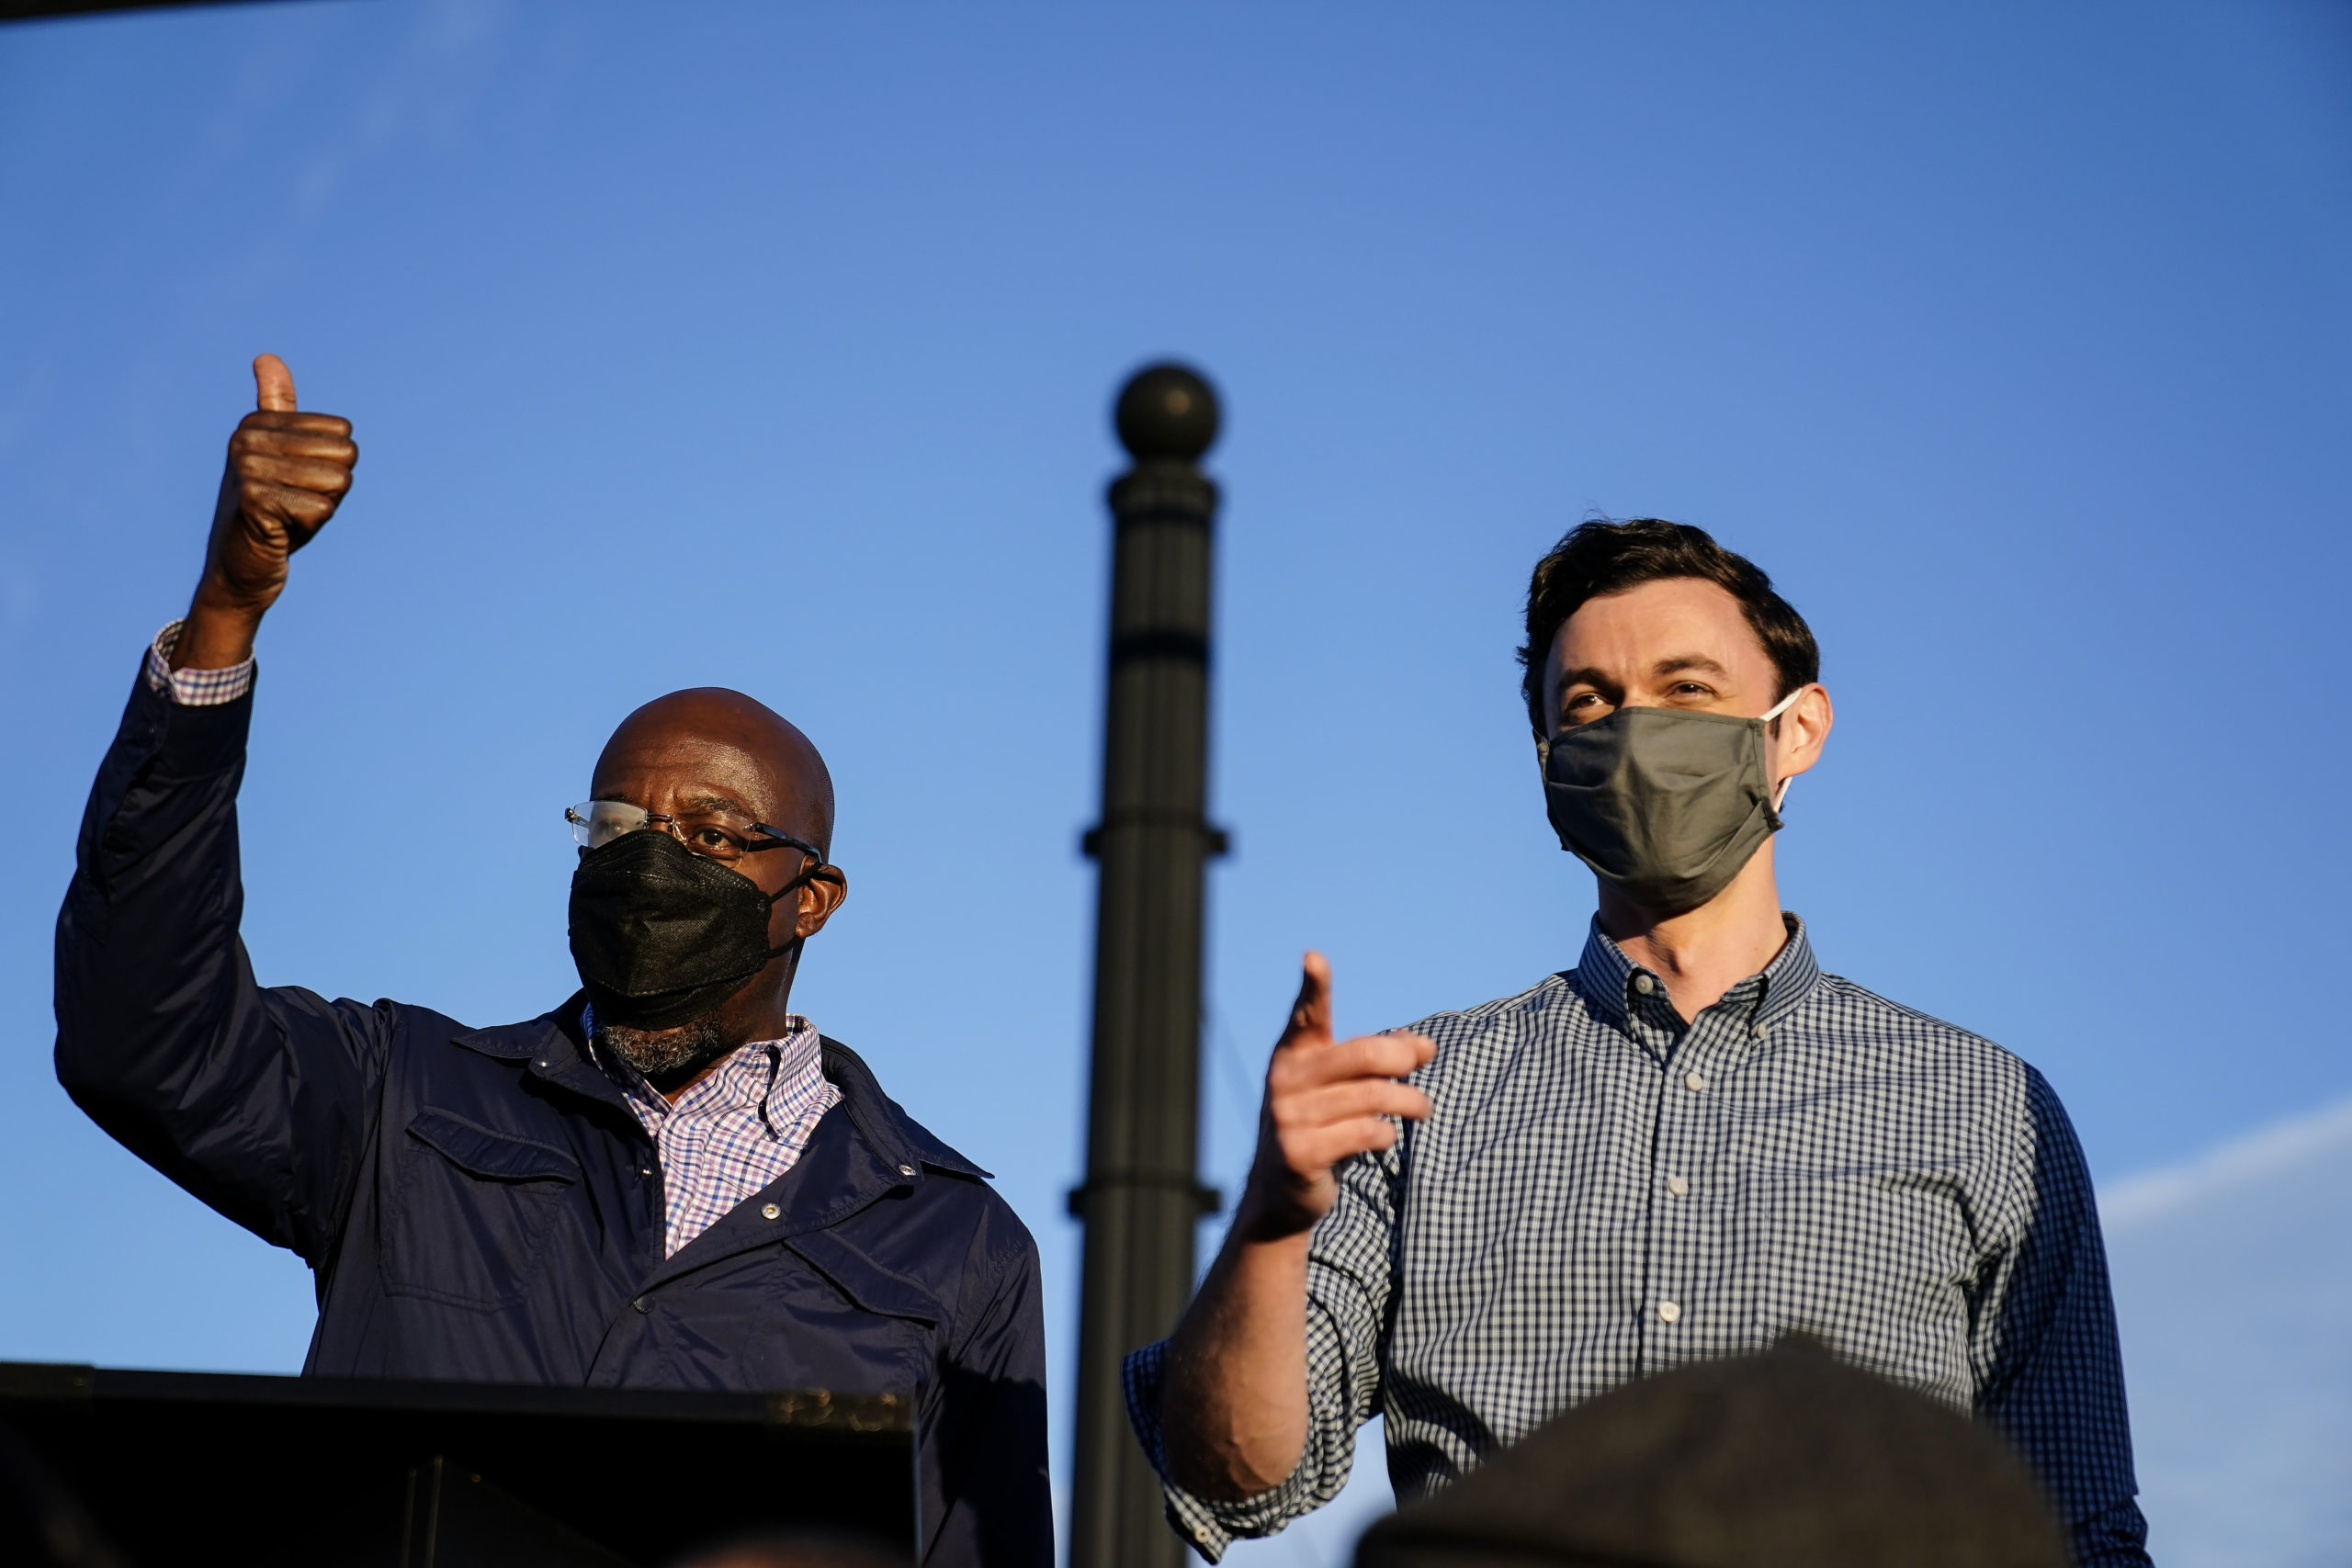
1643, 984
906, 1170
1669, 1313
1694, 1082
1756, 1030
769, 1210
1677, 1185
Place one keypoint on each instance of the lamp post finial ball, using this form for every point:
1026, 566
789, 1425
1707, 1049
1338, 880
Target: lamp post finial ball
1166, 412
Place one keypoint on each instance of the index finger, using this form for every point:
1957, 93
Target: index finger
1310, 1015
309, 435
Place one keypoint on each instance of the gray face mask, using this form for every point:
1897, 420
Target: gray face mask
1666, 805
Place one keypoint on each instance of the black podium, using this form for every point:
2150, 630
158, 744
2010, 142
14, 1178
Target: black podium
146, 1470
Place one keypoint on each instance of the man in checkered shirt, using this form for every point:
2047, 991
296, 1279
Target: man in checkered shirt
1688, 1144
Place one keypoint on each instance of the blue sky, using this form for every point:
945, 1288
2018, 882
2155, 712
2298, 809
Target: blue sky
773, 346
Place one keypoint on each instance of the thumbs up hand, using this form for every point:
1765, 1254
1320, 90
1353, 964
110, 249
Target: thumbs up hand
286, 473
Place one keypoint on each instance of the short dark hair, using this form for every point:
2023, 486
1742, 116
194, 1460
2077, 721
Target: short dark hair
1602, 557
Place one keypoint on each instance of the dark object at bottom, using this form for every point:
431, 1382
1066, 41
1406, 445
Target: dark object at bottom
453, 1518
1787, 1459
103, 1469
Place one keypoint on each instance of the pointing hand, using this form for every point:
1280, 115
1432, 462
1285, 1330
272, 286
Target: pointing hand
1325, 1102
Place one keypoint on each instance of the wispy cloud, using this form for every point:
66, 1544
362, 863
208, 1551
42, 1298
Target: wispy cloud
2259, 1155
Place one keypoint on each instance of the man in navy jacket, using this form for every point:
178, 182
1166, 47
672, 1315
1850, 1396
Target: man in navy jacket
667, 1180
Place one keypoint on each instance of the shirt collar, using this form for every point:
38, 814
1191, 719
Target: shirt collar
755, 1073
1605, 977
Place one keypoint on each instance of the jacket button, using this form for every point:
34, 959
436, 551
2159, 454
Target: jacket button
641, 1304
769, 1210
906, 1170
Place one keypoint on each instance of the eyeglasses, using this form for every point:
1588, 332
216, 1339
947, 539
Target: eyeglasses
714, 835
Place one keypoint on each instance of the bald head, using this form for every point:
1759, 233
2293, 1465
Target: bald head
711, 748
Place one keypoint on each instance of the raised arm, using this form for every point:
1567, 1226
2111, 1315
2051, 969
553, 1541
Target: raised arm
252, 1100
1234, 1407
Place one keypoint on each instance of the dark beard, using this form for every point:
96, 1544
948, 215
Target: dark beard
668, 1057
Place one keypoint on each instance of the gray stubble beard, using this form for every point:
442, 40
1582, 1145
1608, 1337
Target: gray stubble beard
667, 1054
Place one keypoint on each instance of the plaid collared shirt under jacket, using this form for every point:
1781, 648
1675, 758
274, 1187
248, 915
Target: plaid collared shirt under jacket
1602, 1192
738, 1128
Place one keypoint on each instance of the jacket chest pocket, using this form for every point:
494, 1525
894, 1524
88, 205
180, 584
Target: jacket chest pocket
470, 1212
845, 1321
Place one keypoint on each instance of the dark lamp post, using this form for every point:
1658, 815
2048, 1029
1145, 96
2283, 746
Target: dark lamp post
1143, 1194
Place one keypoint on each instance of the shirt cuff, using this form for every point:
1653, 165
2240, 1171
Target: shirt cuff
1209, 1525
194, 688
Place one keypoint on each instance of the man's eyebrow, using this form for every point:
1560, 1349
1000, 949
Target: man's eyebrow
693, 803
1673, 664
716, 803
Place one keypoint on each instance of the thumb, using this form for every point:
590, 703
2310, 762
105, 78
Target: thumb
1310, 1016
273, 385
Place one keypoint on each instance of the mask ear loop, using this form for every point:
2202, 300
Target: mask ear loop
804, 879
1781, 796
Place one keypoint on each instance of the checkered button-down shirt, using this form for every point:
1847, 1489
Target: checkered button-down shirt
738, 1129
1602, 1192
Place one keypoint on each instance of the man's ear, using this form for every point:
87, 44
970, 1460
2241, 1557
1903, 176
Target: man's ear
1803, 730
820, 896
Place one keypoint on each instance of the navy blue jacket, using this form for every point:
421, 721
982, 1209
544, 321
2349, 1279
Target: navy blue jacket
481, 1204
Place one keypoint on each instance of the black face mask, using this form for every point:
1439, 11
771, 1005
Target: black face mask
662, 935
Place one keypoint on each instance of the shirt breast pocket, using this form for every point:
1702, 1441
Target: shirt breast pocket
470, 1212
1877, 1262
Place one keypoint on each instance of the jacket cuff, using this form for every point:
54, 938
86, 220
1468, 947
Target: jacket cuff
194, 688
174, 739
